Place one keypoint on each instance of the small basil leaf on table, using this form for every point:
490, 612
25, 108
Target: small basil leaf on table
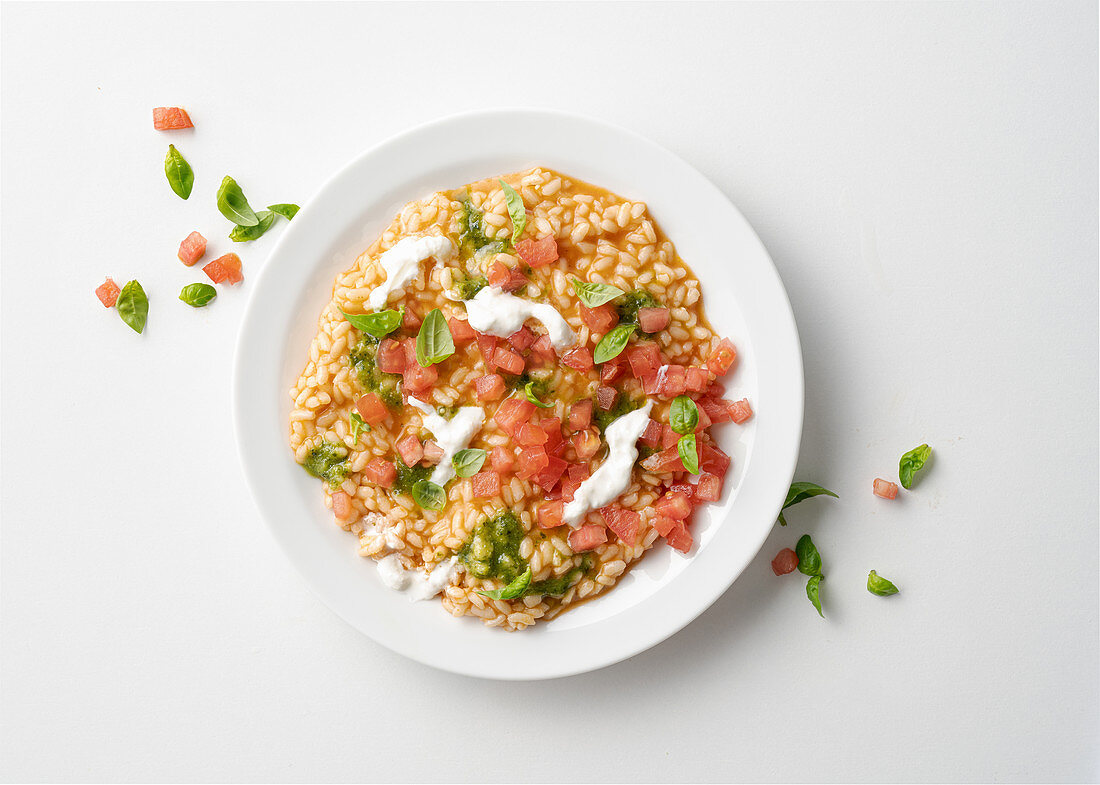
594, 295
233, 205
429, 495
198, 294
133, 306
378, 324
468, 462
813, 591
683, 415
514, 589
799, 492
809, 560
911, 463
434, 342
689, 454
612, 344
178, 171
242, 234
516, 210
287, 211
532, 396
876, 584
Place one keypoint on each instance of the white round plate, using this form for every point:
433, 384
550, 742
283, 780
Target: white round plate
744, 300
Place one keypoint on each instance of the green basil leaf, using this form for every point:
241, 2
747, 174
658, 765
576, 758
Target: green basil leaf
911, 463
809, 560
178, 172
532, 396
233, 205
689, 455
612, 344
516, 211
429, 495
594, 295
133, 306
241, 234
287, 211
813, 591
514, 589
782, 520
358, 425
378, 324
876, 584
801, 491
434, 342
683, 415
468, 462
198, 294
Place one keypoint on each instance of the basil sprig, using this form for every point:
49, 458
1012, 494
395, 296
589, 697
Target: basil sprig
133, 306
532, 396
198, 294
179, 174
468, 462
378, 324
876, 584
516, 210
434, 342
429, 495
799, 492
683, 415
689, 455
612, 344
594, 295
514, 589
809, 563
911, 463
287, 211
233, 205
241, 234
358, 425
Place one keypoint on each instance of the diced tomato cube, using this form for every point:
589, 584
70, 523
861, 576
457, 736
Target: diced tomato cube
722, 357
543, 349
885, 489
488, 346
651, 436
704, 421
625, 523
567, 488
411, 320
171, 118
489, 387
461, 331
485, 485
586, 443
551, 426
664, 525
600, 319
652, 320
680, 538
550, 514
192, 248
606, 397
580, 415
531, 461
785, 561
538, 253
579, 472
613, 369
411, 450
341, 506
696, 379
390, 356
671, 381
108, 292
587, 537
380, 472
667, 460
516, 281
372, 409
409, 345
521, 338
579, 359
498, 274
529, 433
673, 505
712, 459
508, 361
225, 268
433, 453
644, 358
512, 413
716, 408
548, 477
417, 379
669, 437
740, 411
709, 488
502, 459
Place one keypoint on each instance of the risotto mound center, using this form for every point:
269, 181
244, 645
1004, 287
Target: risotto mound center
510, 397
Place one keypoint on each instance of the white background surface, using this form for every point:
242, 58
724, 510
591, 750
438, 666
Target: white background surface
925, 177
